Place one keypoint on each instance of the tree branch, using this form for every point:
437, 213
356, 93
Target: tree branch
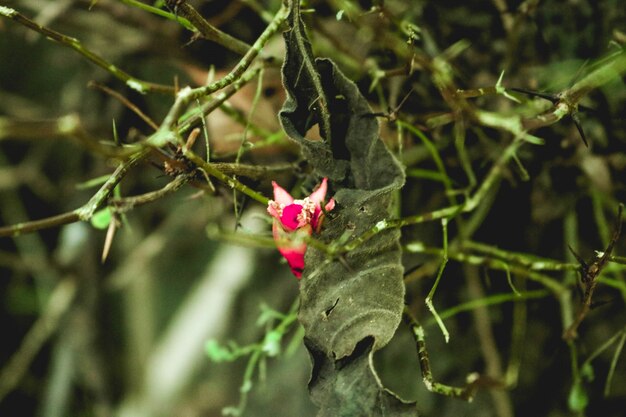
73, 43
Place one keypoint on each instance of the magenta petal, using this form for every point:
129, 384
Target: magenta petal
316, 218
319, 214
281, 196
289, 219
295, 259
292, 252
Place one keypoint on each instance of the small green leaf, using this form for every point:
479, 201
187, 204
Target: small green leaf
267, 315
587, 372
101, 218
535, 140
231, 411
578, 399
502, 90
246, 386
94, 182
218, 353
271, 343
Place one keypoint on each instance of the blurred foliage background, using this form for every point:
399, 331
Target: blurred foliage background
128, 336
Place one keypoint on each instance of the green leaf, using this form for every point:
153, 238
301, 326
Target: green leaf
587, 372
578, 399
218, 353
101, 218
271, 343
267, 315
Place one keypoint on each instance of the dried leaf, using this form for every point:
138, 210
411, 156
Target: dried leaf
351, 387
350, 307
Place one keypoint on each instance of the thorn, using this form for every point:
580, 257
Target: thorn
191, 139
580, 260
392, 114
345, 264
601, 303
108, 240
550, 97
576, 120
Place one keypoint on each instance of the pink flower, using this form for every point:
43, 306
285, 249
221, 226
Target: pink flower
296, 219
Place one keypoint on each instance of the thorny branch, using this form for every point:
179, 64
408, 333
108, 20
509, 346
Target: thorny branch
124, 204
231, 83
70, 42
589, 275
474, 380
205, 29
188, 95
83, 213
567, 104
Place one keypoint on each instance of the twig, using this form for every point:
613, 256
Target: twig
68, 126
429, 298
484, 328
163, 136
252, 171
448, 212
589, 274
529, 269
231, 182
205, 29
565, 103
613, 68
159, 12
221, 171
33, 226
258, 8
84, 213
505, 14
125, 102
124, 204
532, 262
187, 95
618, 339
134, 83
465, 393
493, 299
196, 118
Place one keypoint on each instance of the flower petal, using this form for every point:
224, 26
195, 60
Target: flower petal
289, 219
292, 251
330, 205
281, 196
319, 195
318, 215
273, 208
294, 220
295, 259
